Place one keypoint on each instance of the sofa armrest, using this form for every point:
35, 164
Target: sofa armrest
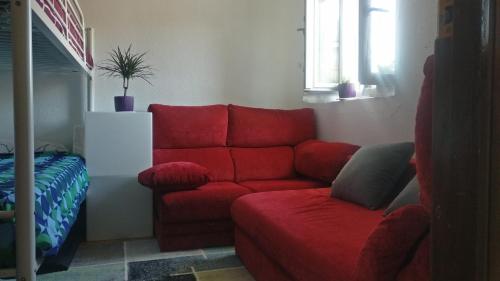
392, 243
322, 160
174, 176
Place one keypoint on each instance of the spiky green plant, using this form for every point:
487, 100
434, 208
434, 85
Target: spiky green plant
126, 65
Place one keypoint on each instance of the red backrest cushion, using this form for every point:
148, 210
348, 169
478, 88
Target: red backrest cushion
322, 160
189, 126
217, 160
263, 163
423, 135
392, 243
257, 127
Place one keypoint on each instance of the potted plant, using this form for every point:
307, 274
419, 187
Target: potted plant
126, 65
346, 90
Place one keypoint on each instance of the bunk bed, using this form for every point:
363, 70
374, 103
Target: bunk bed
40, 35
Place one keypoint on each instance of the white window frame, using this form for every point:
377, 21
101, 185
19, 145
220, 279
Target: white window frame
312, 48
354, 63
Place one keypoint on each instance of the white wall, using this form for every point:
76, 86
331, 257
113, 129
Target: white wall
57, 106
388, 119
249, 52
204, 51
229, 51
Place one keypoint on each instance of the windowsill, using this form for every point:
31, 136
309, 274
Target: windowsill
332, 95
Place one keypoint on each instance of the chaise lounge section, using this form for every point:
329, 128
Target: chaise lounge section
306, 235
301, 235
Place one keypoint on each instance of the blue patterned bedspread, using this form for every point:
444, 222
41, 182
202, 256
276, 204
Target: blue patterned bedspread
61, 183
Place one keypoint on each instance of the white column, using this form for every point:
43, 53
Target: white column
24, 157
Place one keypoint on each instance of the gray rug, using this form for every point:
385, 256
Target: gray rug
181, 268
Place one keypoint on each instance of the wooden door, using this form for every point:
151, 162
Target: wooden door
466, 144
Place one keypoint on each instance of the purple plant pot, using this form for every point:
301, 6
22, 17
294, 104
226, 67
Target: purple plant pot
124, 103
346, 91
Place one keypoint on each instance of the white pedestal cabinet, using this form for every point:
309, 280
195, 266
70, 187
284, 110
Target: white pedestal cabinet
117, 146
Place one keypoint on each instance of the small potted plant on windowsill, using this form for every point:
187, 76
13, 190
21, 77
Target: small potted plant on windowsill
346, 90
126, 65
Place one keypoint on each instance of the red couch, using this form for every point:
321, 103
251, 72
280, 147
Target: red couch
305, 235
246, 150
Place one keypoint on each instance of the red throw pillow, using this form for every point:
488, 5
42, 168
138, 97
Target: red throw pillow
174, 176
392, 243
322, 160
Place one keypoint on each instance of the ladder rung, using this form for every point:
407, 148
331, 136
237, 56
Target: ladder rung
6, 215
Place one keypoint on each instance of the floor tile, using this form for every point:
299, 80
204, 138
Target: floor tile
113, 272
148, 249
95, 253
219, 250
231, 274
183, 277
217, 261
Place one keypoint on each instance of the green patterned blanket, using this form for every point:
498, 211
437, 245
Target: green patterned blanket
61, 183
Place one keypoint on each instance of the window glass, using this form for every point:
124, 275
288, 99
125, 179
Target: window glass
382, 33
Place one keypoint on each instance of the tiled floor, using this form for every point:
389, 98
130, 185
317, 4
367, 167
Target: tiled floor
141, 260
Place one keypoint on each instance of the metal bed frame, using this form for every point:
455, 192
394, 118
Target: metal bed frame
31, 27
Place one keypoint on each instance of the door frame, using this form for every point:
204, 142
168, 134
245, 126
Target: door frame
466, 144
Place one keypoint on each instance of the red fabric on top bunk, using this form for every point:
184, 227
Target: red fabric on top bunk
72, 17
54, 19
78, 51
59, 9
57, 15
89, 60
76, 36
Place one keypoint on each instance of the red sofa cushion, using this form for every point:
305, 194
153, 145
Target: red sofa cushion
209, 202
322, 160
310, 234
263, 163
217, 160
390, 245
419, 268
423, 135
257, 127
276, 185
256, 262
174, 176
189, 126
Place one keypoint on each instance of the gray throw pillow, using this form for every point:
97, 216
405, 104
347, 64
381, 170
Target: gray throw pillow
409, 196
371, 175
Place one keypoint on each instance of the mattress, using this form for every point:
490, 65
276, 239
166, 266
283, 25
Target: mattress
61, 183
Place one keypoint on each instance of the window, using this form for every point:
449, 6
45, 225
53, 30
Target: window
378, 41
323, 43
349, 40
